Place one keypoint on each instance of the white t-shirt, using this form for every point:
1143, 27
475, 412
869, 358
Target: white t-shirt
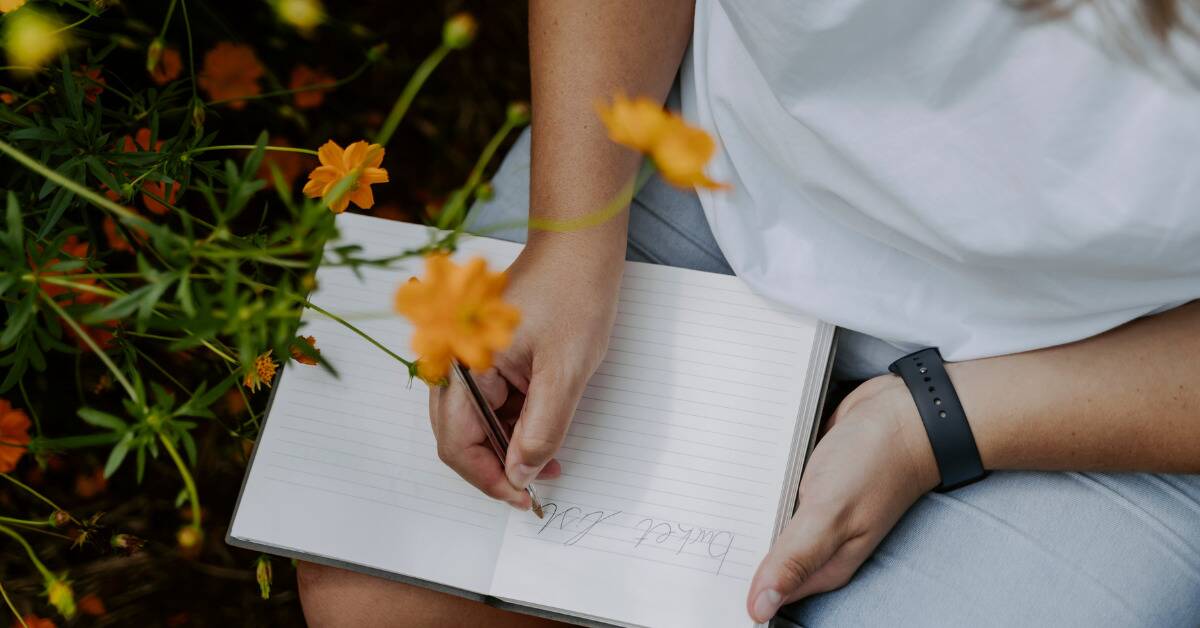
945, 172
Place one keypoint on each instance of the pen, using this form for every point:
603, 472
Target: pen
496, 435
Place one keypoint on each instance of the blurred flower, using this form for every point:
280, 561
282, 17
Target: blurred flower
290, 164
337, 164
14, 435
189, 539
262, 573
679, 151
89, 485
93, 83
304, 76
116, 238
60, 518
517, 113
231, 72
168, 68
31, 38
91, 604
8, 6
300, 356
263, 373
459, 31
7, 98
151, 189
303, 15
58, 590
31, 620
458, 313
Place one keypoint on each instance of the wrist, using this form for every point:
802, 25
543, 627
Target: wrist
893, 407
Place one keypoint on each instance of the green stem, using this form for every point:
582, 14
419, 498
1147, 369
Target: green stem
87, 339
76, 442
614, 207
94, 198
28, 550
356, 330
37, 424
162, 32
187, 25
188, 482
278, 149
73, 24
450, 216
30, 491
12, 608
33, 523
409, 94
82, 287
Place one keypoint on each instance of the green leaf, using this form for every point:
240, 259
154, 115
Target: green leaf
141, 464
181, 497
18, 317
102, 419
118, 455
15, 235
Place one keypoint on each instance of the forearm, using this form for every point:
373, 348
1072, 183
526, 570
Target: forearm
581, 54
1128, 399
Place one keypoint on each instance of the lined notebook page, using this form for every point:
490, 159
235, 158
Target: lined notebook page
673, 469
674, 466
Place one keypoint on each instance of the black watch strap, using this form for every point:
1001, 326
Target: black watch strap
943, 415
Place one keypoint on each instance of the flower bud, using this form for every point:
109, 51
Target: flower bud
262, 573
459, 31
127, 544
376, 52
154, 54
517, 113
58, 590
304, 15
59, 519
485, 191
197, 113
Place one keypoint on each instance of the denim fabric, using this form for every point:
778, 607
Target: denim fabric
1017, 549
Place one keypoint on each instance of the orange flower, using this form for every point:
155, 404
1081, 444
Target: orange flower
290, 164
7, 98
304, 76
151, 190
263, 373
89, 485
679, 150
360, 158
169, 66
8, 6
14, 435
303, 358
116, 239
230, 73
92, 82
31, 620
458, 313
91, 604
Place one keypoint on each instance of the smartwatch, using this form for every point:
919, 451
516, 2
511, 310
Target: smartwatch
942, 414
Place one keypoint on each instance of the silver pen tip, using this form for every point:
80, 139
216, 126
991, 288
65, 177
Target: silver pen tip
537, 503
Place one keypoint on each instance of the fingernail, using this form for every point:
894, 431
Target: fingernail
520, 475
766, 604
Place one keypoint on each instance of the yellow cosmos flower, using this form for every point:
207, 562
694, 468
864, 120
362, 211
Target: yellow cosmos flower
58, 591
336, 164
304, 15
263, 373
31, 38
8, 6
457, 312
679, 151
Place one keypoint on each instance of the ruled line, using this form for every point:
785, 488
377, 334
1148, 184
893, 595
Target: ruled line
638, 557
377, 501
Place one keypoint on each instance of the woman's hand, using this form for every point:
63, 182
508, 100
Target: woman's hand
872, 464
567, 303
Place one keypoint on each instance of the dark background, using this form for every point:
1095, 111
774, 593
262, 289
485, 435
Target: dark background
455, 115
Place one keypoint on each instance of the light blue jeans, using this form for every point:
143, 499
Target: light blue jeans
1017, 549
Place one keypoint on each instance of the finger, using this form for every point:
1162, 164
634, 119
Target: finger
552, 470
463, 446
805, 546
493, 386
549, 405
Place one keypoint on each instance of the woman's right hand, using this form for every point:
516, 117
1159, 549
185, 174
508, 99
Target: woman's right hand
568, 302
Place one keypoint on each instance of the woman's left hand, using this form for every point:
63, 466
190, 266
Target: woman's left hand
872, 464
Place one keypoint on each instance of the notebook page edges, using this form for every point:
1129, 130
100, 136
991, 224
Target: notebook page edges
676, 462
346, 468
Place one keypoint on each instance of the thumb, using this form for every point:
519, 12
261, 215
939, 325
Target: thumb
807, 543
550, 403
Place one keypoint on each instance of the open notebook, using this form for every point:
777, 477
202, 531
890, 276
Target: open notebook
679, 469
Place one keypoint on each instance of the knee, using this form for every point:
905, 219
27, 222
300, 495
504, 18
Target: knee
318, 586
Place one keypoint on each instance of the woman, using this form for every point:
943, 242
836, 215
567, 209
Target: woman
1018, 193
